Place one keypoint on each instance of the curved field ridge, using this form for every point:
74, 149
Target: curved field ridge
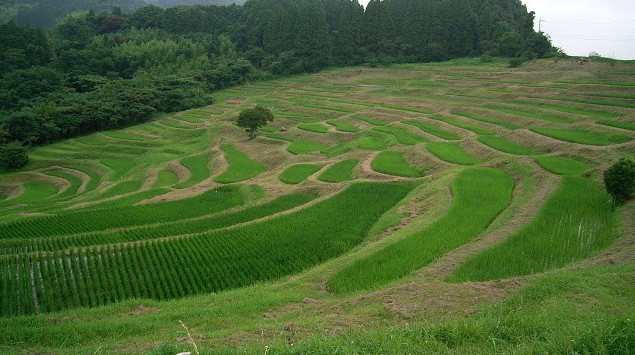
83, 221
480, 194
452, 153
339, 172
393, 163
571, 226
561, 165
207, 263
298, 173
582, 136
241, 166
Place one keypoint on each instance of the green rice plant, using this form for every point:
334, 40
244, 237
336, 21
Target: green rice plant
182, 227
75, 183
618, 124
173, 124
99, 219
241, 166
561, 165
368, 141
402, 135
434, 130
372, 121
452, 153
95, 177
122, 188
198, 165
424, 111
540, 115
339, 172
343, 126
575, 222
486, 119
504, 145
213, 261
305, 147
34, 191
470, 127
297, 173
124, 136
582, 136
479, 196
571, 109
317, 128
166, 177
393, 163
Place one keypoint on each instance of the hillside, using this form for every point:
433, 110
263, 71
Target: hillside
171, 3
452, 207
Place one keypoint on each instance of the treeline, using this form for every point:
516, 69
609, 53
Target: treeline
95, 71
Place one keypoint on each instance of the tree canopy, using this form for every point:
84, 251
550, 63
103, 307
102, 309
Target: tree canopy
253, 118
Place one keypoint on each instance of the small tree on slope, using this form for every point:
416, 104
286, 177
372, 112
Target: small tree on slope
619, 180
253, 118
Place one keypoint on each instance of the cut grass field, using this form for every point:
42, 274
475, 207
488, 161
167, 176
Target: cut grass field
108, 240
479, 195
582, 136
571, 226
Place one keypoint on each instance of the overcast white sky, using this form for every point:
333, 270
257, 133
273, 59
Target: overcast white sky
583, 26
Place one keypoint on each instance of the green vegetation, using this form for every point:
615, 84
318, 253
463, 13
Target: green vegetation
339, 172
241, 166
570, 226
452, 153
13, 156
297, 173
479, 195
372, 121
253, 118
561, 165
583, 136
393, 163
402, 135
344, 126
470, 127
317, 128
434, 130
618, 124
166, 177
486, 119
534, 114
619, 180
33, 191
570, 109
198, 165
505, 145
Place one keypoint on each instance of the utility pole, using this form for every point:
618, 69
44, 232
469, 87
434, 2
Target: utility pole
540, 21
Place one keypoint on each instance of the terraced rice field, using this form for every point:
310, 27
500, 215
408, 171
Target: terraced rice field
382, 177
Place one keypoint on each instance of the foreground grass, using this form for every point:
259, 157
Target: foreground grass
574, 223
479, 196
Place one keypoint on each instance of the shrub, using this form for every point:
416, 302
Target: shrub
13, 156
619, 180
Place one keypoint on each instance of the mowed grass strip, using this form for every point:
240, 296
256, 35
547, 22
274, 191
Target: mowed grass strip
198, 165
470, 127
339, 172
434, 130
562, 165
575, 222
486, 119
505, 145
452, 153
582, 136
618, 124
241, 166
401, 134
479, 195
297, 173
99, 219
393, 163
154, 231
210, 262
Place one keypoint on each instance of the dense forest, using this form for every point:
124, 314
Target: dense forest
95, 71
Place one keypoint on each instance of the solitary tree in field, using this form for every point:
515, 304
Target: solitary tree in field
253, 118
619, 180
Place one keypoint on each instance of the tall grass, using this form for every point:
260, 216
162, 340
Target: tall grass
339, 172
582, 136
452, 153
576, 222
241, 166
393, 163
479, 195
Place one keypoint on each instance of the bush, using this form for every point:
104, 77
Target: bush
13, 156
619, 180
515, 62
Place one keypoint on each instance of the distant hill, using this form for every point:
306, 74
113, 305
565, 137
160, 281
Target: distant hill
171, 3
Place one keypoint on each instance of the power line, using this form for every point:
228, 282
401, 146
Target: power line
589, 23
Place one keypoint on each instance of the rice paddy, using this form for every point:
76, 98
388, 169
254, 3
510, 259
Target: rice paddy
379, 176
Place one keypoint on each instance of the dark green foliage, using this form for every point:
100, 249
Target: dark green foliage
619, 180
13, 156
253, 118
